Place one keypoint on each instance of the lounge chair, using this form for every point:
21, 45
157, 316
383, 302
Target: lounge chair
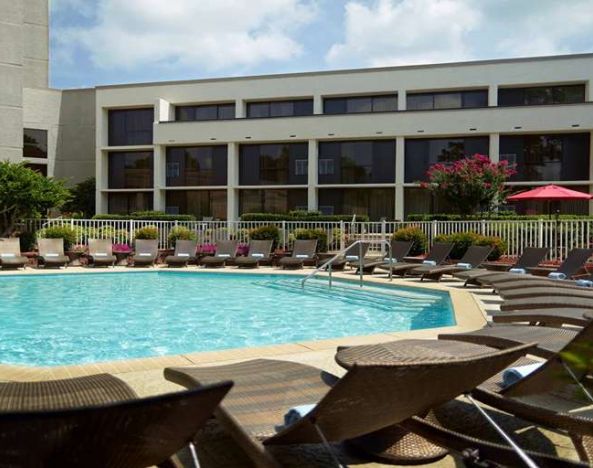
547, 302
51, 253
531, 257
225, 250
97, 421
399, 250
549, 290
302, 250
353, 255
185, 251
554, 317
259, 251
10, 254
473, 258
101, 252
548, 397
572, 264
581, 284
437, 256
368, 398
146, 252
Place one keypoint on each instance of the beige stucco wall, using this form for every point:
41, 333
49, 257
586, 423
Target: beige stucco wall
36, 43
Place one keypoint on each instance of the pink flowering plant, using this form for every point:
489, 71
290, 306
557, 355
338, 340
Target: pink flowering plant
469, 184
121, 248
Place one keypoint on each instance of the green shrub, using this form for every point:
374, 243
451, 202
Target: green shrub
27, 240
495, 216
266, 233
148, 216
59, 232
147, 232
415, 234
318, 234
300, 215
463, 240
180, 233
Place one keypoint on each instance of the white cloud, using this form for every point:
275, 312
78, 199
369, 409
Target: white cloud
204, 34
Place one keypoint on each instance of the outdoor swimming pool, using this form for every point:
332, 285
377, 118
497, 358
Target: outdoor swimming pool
61, 319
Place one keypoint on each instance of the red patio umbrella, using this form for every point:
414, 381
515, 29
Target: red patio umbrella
550, 193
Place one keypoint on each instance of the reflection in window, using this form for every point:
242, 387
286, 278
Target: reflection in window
289, 108
126, 202
200, 203
205, 112
198, 165
421, 153
131, 169
547, 157
541, 95
357, 162
272, 201
34, 143
130, 127
376, 203
272, 164
301, 167
358, 104
447, 100
422, 201
40, 168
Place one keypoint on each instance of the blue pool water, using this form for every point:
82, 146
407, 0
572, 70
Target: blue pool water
63, 319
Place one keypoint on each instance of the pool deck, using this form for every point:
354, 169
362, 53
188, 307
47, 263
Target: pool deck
145, 375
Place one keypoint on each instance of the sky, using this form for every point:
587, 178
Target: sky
97, 42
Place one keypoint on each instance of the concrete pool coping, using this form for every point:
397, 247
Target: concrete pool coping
468, 316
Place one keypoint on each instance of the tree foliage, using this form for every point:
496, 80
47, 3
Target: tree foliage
470, 184
26, 194
83, 199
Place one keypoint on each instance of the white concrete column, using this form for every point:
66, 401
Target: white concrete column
317, 104
232, 201
312, 180
589, 91
591, 171
239, 108
492, 96
494, 147
101, 176
400, 167
401, 99
163, 111
160, 177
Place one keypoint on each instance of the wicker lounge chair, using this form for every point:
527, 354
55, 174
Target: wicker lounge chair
399, 250
473, 257
225, 250
546, 283
185, 251
438, 255
259, 251
547, 302
368, 398
302, 250
550, 290
531, 257
146, 252
556, 317
572, 264
353, 255
101, 252
97, 421
10, 254
51, 253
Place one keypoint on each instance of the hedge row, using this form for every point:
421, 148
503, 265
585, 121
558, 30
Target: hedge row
148, 216
300, 216
500, 216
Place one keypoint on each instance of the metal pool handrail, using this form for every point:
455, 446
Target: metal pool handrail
328, 265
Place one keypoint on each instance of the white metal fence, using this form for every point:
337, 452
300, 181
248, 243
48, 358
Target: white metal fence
559, 236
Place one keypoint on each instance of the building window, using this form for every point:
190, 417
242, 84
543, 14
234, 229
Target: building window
301, 167
376, 203
358, 104
357, 162
547, 157
291, 108
130, 127
34, 143
126, 202
173, 170
40, 168
130, 169
200, 203
272, 164
198, 165
541, 95
447, 100
422, 201
205, 112
421, 153
279, 201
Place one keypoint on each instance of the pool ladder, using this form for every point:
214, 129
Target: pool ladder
328, 265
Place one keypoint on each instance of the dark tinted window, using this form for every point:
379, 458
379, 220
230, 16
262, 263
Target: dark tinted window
547, 157
422, 201
540, 95
376, 203
356, 162
535, 207
130, 127
272, 201
34, 143
422, 153
357, 104
273, 164
200, 203
40, 168
447, 100
125, 203
205, 112
194, 166
130, 169
288, 108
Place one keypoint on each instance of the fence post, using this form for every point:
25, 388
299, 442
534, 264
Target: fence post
342, 235
284, 235
434, 228
383, 236
131, 228
483, 227
540, 232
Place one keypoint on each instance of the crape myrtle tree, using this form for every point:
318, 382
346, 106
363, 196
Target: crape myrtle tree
470, 184
25, 193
